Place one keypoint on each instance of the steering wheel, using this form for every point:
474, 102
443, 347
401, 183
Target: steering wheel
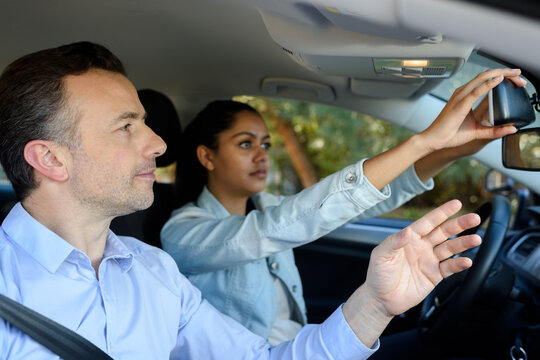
444, 307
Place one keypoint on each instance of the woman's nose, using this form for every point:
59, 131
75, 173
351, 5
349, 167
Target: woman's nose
261, 155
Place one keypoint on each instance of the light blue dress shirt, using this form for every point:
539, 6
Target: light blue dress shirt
140, 308
233, 259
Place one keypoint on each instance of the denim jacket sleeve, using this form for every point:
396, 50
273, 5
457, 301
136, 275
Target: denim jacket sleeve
200, 241
403, 188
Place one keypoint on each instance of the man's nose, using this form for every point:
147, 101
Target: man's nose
156, 145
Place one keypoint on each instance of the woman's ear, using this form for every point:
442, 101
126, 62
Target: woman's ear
205, 156
46, 159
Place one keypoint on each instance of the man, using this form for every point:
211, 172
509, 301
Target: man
78, 153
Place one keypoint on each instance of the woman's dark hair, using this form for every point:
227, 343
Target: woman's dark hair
34, 105
205, 129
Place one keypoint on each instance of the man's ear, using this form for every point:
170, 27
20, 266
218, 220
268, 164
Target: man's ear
205, 156
46, 159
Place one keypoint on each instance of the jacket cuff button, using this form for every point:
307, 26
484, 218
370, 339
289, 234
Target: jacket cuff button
350, 178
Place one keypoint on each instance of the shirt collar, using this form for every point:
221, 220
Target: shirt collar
46, 247
117, 250
49, 249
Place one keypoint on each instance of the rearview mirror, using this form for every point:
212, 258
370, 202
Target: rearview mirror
510, 104
521, 150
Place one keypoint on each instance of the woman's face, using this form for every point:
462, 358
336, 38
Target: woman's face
240, 164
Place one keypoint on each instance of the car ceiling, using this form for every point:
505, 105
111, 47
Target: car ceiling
196, 51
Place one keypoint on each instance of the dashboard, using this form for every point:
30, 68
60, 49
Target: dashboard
519, 321
524, 255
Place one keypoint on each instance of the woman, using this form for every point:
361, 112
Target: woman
234, 242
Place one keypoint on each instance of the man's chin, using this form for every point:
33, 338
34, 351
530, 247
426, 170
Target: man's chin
138, 204
145, 202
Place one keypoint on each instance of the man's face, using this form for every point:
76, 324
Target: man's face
112, 170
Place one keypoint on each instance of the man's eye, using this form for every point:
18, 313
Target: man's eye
245, 144
266, 146
126, 127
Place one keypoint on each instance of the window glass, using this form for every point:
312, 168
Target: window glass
166, 174
475, 65
3, 178
311, 141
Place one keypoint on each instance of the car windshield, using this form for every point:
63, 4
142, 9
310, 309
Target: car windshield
475, 65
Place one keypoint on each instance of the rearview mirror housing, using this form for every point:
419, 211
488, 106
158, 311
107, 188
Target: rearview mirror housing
510, 104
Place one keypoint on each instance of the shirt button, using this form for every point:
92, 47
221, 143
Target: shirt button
294, 288
274, 265
350, 177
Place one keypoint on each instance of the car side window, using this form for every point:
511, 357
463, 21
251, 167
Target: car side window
3, 178
311, 141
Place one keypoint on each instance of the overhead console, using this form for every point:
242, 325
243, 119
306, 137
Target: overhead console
365, 43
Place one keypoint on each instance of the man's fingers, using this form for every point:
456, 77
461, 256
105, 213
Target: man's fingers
455, 265
452, 227
434, 218
452, 247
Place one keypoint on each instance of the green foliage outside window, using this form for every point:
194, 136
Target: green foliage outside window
334, 138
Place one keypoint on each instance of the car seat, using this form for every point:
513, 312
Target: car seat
146, 224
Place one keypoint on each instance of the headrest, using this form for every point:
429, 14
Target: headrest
163, 120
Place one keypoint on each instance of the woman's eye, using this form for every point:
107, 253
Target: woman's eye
266, 146
245, 145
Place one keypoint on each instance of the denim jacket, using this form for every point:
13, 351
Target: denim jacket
231, 258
